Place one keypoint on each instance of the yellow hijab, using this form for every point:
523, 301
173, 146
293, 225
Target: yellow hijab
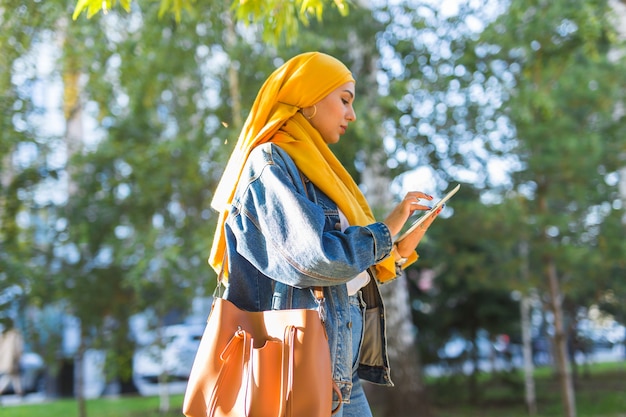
300, 82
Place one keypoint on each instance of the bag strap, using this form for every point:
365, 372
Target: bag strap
236, 348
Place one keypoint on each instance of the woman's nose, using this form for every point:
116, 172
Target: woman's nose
351, 116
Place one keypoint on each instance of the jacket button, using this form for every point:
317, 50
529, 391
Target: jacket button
349, 325
337, 226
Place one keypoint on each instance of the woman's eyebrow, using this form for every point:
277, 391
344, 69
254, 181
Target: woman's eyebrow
349, 92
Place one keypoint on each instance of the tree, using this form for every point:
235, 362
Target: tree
28, 163
138, 217
445, 127
462, 94
560, 102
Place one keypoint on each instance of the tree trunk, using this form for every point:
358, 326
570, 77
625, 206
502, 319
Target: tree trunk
161, 343
230, 39
74, 133
560, 342
164, 392
407, 397
529, 380
527, 349
79, 375
72, 108
472, 378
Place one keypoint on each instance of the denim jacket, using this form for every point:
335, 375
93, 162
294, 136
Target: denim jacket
283, 239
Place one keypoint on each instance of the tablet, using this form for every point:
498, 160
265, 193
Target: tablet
421, 219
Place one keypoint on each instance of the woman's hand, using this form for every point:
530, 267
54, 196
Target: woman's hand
407, 245
401, 213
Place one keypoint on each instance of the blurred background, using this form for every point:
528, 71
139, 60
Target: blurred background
116, 128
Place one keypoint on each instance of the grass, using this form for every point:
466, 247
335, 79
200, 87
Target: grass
600, 393
125, 406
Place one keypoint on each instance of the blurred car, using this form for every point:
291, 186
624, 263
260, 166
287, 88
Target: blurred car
33, 372
181, 342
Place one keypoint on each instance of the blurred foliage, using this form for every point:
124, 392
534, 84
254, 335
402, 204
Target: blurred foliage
278, 20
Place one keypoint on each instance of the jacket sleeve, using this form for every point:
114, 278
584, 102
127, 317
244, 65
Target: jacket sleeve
286, 236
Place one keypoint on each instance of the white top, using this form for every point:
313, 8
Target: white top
361, 280
11, 346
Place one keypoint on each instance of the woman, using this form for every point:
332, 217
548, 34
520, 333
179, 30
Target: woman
11, 347
292, 218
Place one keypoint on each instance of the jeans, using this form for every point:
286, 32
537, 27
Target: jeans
358, 406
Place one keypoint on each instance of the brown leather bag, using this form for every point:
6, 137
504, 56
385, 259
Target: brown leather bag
261, 364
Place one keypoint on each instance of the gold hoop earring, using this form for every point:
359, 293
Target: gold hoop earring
314, 113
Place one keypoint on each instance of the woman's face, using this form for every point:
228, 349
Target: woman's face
333, 113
